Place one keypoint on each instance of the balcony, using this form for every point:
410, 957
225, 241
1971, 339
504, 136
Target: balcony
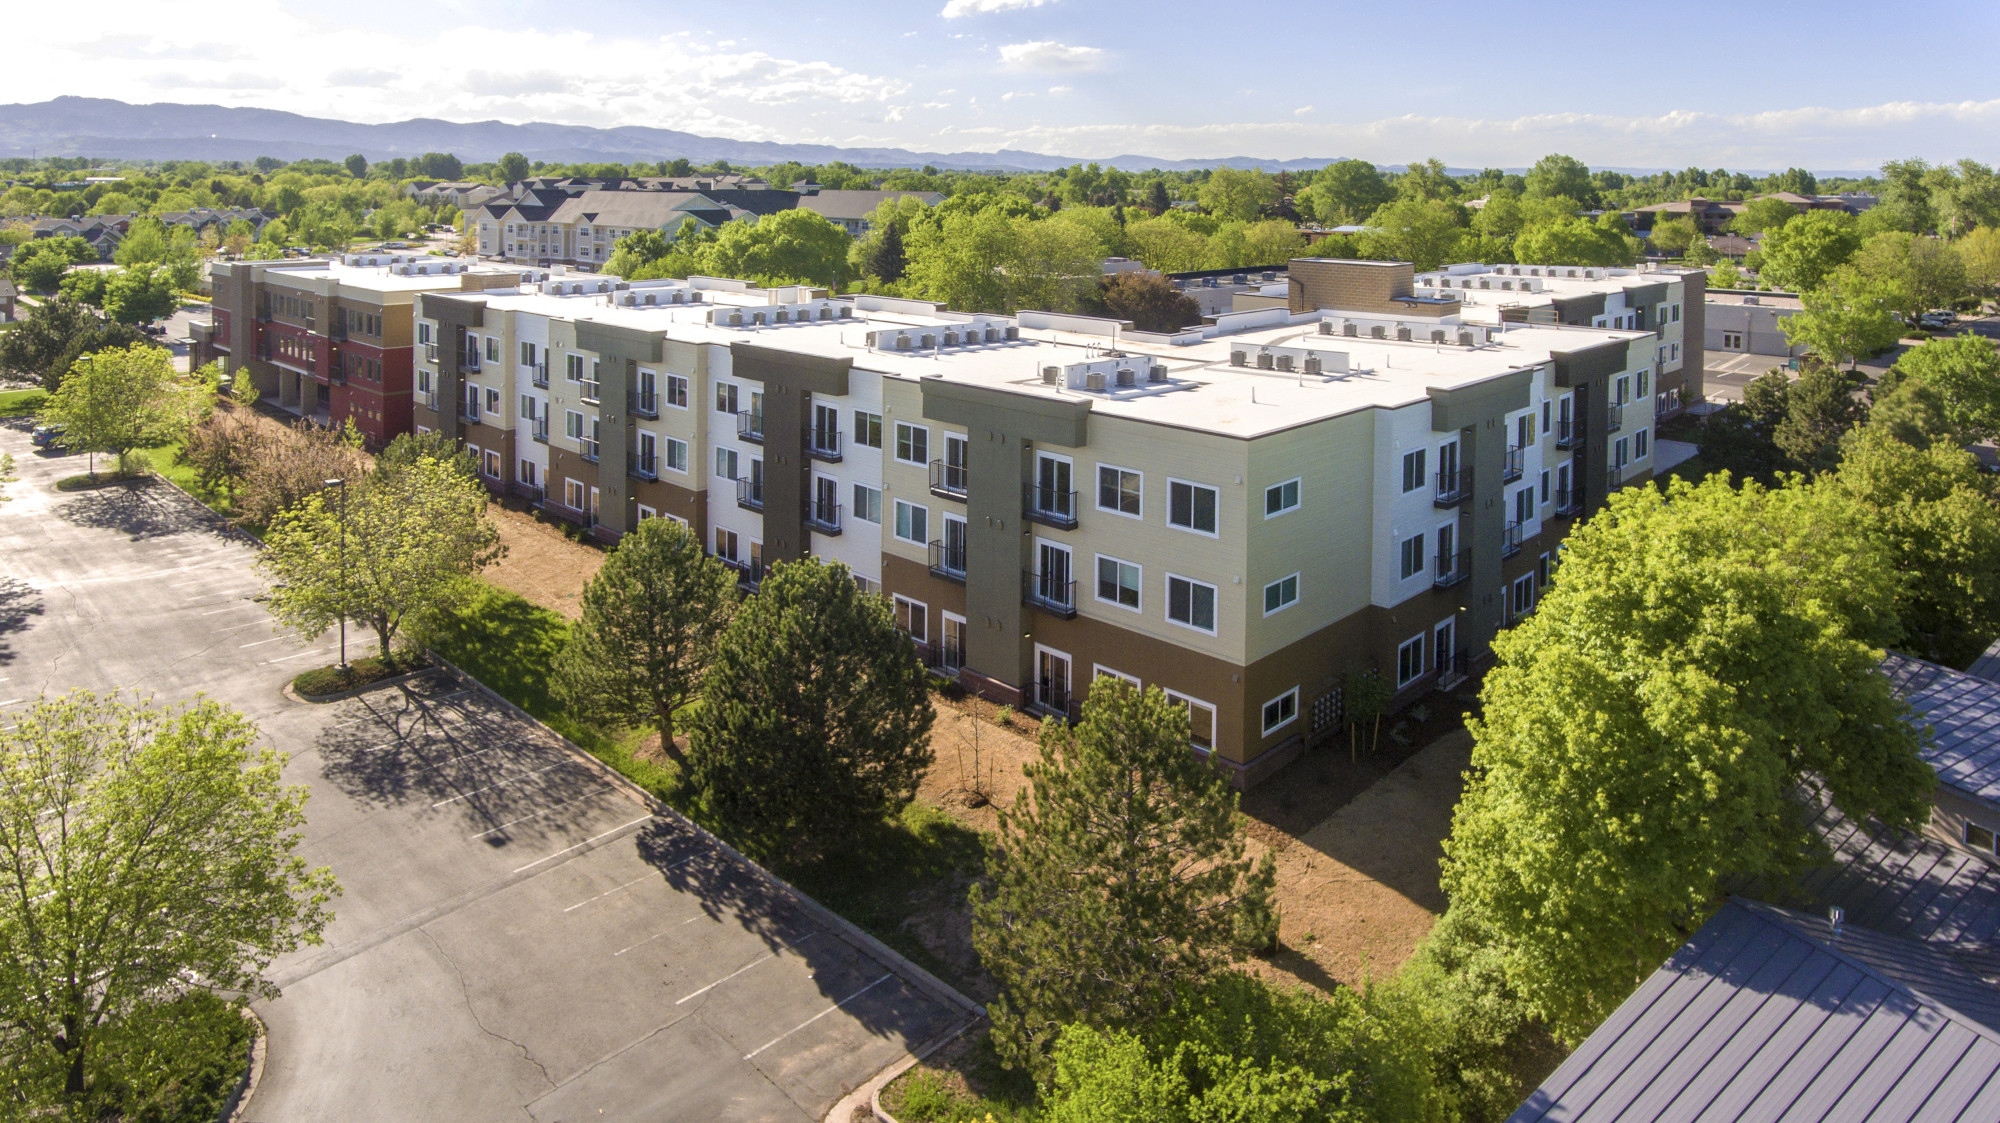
1568, 434
430, 352
947, 480
750, 494
750, 426
1050, 696
1511, 464
1452, 569
822, 517
426, 399
1453, 669
1510, 540
1045, 592
749, 574
1614, 417
468, 414
1453, 487
644, 403
948, 560
947, 657
539, 430
587, 449
337, 376
643, 467
1049, 507
823, 444
469, 361
539, 376
1569, 503
337, 332
588, 390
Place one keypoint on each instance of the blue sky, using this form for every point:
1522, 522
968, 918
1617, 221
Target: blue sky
1757, 84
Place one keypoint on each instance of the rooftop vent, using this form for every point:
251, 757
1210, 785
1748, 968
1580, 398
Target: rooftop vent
1051, 375
1157, 374
1127, 378
1094, 380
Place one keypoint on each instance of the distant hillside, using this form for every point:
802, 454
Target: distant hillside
78, 126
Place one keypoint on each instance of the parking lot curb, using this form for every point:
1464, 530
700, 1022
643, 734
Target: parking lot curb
930, 984
214, 516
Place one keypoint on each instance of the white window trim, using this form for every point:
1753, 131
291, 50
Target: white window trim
687, 391
1298, 500
896, 450
1190, 701
1420, 638
919, 608
1422, 555
1167, 605
1098, 492
1140, 607
646, 512
1296, 596
877, 520
1172, 525
666, 461
1099, 670
895, 522
1293, 694
1424, 476
1642, 437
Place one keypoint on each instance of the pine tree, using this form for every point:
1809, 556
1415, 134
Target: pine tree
815, 717
1119, 876
1156, 197
886, 258
650, 621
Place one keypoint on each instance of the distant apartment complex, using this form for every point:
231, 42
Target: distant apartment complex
1373, 474
1712, 216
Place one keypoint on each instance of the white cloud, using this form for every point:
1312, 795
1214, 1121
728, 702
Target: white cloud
1302, 110
360, 76
510, 83
1058, 91
1047, 54
1012, 94
957, 9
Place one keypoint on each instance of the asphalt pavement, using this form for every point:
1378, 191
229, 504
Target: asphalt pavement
520, 936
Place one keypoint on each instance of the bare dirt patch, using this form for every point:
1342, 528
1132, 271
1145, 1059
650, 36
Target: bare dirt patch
977, 767
542, 563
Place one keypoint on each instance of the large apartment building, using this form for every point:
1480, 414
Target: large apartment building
330, 339
1374, 476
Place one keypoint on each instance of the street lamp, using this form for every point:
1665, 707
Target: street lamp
341, 561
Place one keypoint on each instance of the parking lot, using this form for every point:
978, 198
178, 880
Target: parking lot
519, 936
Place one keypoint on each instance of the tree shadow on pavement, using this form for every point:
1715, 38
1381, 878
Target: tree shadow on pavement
18, 601
139, 509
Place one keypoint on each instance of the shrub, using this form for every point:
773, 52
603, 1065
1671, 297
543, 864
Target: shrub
321, 681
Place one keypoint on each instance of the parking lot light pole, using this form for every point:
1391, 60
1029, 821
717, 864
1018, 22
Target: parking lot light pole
341, 561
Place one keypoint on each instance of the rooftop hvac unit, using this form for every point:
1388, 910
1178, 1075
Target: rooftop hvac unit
826, 312
1377, 332
1094, 380
780, 316
1326, 327
1051, 375
1157, 374
1013, 333
951, 339
902, 343
846, 312
928, 341
1312, 364
736, 319
1238, 359
1402, 333
1350, 328
1437, 335
1264, 362
1465, 339
1284, 362
1127, 378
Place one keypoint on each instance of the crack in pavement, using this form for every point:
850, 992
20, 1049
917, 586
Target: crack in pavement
467, 996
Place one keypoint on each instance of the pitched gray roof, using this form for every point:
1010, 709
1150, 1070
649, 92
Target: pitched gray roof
1987, 666
1963, 712
1903, 884
1766, 1014
845, 204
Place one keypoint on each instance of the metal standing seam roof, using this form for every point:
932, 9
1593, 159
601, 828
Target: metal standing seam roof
1963, 711
1987, 666
1767, 1014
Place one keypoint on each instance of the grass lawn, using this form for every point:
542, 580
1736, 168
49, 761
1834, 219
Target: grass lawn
22, 403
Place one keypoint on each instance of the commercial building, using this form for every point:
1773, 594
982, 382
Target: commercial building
330, 339
1372, 476
1750, 323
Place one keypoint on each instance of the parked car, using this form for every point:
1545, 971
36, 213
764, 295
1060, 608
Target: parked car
48, 437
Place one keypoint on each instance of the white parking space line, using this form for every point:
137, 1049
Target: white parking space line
767, 956
503, 783
539, 814
255, 643
12, 701
240, 627
299, 655
179, 584
608, 892
231, 608
818, 1016
585, 842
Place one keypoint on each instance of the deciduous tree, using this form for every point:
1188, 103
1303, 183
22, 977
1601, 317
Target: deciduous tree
1844, 317
1412, 230
1150, 301
1704, 662
55, 335
1237, 193
150, 853
290, 468
1964, 370
116, 401
39, 265
1119, 876
814, 720
222, 448
650, 620
1802, 255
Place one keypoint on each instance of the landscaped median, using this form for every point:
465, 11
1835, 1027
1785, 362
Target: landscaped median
324, 684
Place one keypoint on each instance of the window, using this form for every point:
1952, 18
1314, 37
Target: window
1978, 837
573, 368
725, 544
1409, 661
867, 429
1280, 498
492, 464
913, 617
573, 425
492, 400
1099, 670
492, 349
573, 494
1281, 594
725, 463
1641, 443
1191, 603
1623, 393
1642, 384
527, 354
1523, 596
677, 455
527, 472
1413, 471
1191, 507
1201, 720
1412, 556
725, 397
423, 333
677, 391
868, 504
1545, 485
913, 523
1117, 582
1118, 490
1524, 504
1677, 313
1546, 404
1281, 711
913, 443
1732, 341
1622, 454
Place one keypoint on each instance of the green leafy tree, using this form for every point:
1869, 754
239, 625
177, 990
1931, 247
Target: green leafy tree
1803, 254
150, 853
1845, 317
1500, 217
46, 345
1654, 732
357, 165
1237, 193
1965, 195
38, 266
1702, 253
1150, 301
1118, 877
1724, 275
1763, 215
1979, 253
408, 541
1905, 198
1913, 412
141, 294
1427, 180
1557, 176
222, 449
1157, 200
1167, 245
1964, 371
1571, 241
1927, 272
116, 401
651, 618
1419, 232
886, 259
1673, 236
1820, 410
814, 718
85, 286
787, 247
146, 242
409, 448
1939, 515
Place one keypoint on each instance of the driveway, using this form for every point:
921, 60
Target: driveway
519, 937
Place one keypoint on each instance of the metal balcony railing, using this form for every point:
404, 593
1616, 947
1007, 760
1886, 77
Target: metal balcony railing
587, 448
749, 574
823, 444
1568, 434
539, 376
425, 398
588, 390
643, 402
947, 656
1051, 696
468, 413
1048, 506
643, 467
947, 480
822, 517
1048, 593
1452, 569
539, 430
1569, 502
1512, 464
469, 361
750, 426
1510, 540
430, 352
1614, 417
948, 560
1453, 487
749, 493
